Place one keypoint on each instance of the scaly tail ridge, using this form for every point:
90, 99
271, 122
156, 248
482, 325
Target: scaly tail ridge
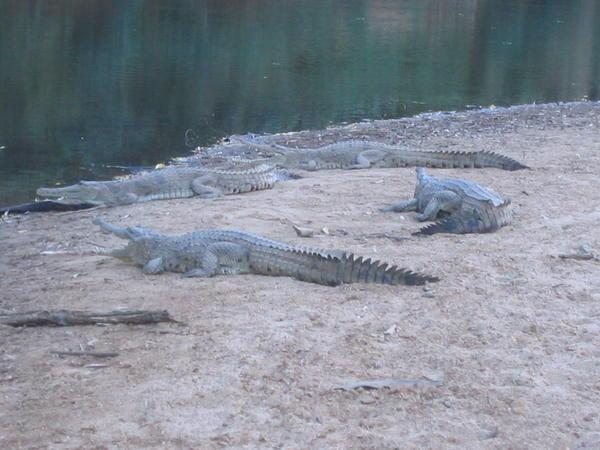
484, 221
458, 160
452, 225
331, 269
492, 159
360, 270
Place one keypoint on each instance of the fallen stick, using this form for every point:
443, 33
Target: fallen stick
94, 354
579, 256
66, 318
390, 383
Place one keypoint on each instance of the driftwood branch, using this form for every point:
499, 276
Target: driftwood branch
391, 383
66, 318
94, 354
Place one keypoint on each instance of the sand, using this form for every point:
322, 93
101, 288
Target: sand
510, 335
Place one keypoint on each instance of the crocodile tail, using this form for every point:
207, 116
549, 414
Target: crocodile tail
486, 220
481, 159
491, 159
453, 224
329, 268
459, 160
354, 269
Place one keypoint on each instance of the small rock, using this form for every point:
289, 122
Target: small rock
489, 434
390, 330
325, 231
312, 315
590, 417
303, 232
585, 249
518, 407
434, 375
366, 399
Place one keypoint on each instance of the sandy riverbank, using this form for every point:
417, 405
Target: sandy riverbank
512, 330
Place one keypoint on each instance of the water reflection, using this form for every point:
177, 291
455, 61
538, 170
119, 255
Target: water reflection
100, 82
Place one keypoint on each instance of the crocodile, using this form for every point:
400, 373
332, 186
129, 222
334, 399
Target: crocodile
212, 252
462, 206
357, 154
168, 183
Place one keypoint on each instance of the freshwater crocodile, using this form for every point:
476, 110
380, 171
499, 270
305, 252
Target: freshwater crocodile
356, 154
213, 252
465, 207
168, 183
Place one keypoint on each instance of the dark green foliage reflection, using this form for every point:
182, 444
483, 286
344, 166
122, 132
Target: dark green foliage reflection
86, 84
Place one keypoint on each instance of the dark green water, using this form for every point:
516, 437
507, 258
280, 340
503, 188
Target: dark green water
89, 84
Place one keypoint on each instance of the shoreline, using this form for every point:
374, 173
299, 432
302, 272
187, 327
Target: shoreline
426, 131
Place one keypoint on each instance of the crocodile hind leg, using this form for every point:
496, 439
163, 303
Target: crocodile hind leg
310, 165
206, 187
208, 266
446, 201
365, 159
126, 198
222, 257
154, 266
406, 205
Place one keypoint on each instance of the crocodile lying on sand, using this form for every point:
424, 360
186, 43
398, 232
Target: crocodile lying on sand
356, 154
469, 207
212, 252
168, 183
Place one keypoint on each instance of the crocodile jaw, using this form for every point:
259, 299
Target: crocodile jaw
75, 193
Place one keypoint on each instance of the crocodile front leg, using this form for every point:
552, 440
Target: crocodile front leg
446, 201
208, 266
365, 159
224, 258
310, 165
406, 205
125, 198
154, 266
206, 186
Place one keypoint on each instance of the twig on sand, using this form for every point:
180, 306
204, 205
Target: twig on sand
94, 354
96, 366
68, 213
583, 253
579, 257
390, 383
59, 252
66, 318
